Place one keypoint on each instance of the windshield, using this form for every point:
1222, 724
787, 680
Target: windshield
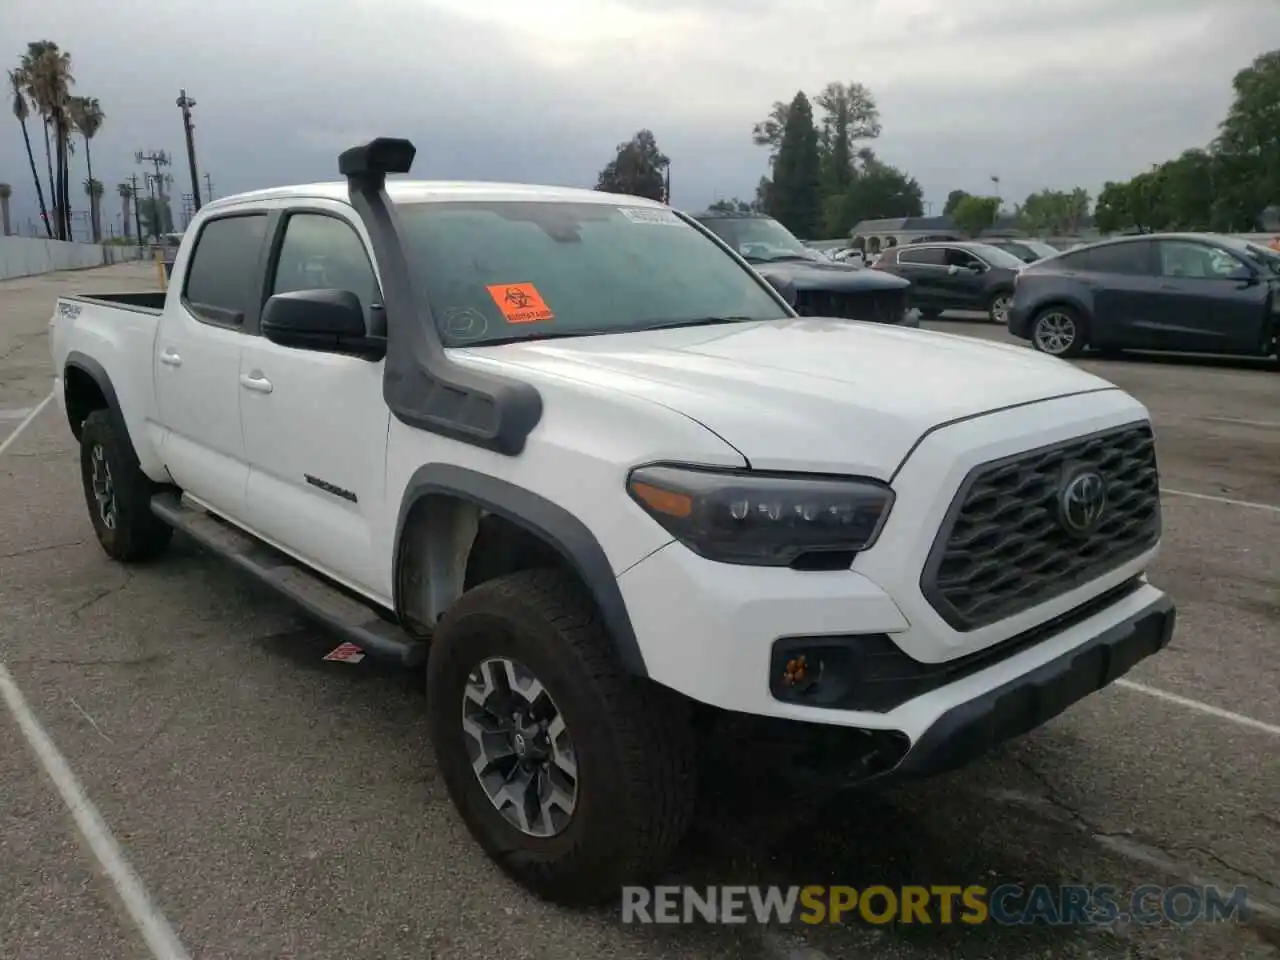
997, 257
1268, 260
1040, 249
759, 239
502, 271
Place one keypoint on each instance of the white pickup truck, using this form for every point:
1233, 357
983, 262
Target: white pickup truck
568, 450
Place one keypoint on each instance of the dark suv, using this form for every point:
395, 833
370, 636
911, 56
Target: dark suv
816, 286
958, 275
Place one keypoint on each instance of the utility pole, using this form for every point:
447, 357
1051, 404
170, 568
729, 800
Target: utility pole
158, 159
208, 182
186, 103
137, 217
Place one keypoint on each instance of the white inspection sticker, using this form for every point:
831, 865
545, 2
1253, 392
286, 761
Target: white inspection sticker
650, 215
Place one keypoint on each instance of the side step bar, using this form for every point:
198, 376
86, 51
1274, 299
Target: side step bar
354, 621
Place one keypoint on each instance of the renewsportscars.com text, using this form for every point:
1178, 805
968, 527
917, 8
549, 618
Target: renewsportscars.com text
1007, 904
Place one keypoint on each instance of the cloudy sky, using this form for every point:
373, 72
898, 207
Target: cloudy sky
1052, 93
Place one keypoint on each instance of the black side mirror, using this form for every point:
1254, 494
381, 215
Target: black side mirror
327, 320
784, 287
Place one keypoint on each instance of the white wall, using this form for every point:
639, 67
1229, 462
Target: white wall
28, 256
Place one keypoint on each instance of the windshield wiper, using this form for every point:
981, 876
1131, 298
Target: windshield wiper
694, 322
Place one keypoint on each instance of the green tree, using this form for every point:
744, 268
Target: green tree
732, 206
795, 197
87, 117
849, 116
954, 199
638, 169
1111, 213
975, 214
768, 132
1250, 135
878, 190
21, 113
1055, 212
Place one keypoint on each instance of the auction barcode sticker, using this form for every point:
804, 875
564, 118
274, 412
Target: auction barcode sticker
649, 215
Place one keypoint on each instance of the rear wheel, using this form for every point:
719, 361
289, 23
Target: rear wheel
574, 776
1059, 332
118, 494
998, 307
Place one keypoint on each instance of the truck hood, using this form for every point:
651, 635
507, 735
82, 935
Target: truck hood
829, 275
809, 393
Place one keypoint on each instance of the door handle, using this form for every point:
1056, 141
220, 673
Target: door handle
256, 382
169, 358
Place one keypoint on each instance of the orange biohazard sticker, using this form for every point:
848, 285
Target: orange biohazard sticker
520, 302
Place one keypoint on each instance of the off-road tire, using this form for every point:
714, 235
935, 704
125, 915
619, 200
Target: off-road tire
633, 741
138, 534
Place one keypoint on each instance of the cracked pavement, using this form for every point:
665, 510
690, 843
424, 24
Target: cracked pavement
276, 805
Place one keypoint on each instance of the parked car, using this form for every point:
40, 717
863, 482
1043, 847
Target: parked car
613, 511
816, 285
1028, 251
955, 276
1201, 293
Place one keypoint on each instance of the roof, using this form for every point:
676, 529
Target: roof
436, 191
1006, 223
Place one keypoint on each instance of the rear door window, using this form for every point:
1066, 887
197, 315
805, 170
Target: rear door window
222, 275
1131, 258
923, 256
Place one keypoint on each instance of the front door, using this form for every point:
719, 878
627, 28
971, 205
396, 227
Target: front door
965, 280
197, 362
315, 424
1208, 301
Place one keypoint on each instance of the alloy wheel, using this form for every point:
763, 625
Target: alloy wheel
1055, 333
520, 748
104, 491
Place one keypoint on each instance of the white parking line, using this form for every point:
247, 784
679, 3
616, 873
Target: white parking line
150, 922
1238, 719
1264, 424
1251, 504
26, 422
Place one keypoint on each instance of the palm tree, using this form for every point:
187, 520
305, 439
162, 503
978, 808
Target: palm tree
22, 110
87, 115
6, 192
126, 195
49, 79
93, 190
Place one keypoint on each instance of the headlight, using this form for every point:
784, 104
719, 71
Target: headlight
767, 520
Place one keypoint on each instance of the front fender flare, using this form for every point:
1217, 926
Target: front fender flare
553, 524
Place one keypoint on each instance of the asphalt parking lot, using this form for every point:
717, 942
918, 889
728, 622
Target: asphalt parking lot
274, 805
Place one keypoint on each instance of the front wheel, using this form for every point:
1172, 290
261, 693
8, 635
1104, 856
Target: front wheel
998, 308
574, 776
1059, 332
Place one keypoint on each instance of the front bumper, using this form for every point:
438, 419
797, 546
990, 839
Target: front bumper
973, 727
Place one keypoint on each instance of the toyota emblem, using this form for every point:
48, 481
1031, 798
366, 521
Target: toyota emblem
1082, 502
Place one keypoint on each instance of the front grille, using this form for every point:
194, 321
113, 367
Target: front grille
1002, 548
876, 306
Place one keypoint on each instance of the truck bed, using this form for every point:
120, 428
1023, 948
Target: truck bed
150, 301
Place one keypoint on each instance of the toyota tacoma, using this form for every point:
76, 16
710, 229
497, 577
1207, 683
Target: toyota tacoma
570, 452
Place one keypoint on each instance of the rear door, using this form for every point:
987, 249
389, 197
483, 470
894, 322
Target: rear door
925, 267
1122, 278
314, 423
1208, 300
197, 362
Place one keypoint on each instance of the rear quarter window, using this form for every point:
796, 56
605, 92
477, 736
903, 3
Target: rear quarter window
222, 273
